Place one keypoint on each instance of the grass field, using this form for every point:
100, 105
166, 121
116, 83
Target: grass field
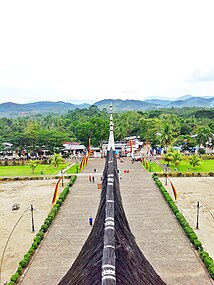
154, 167
25, 170
205, 166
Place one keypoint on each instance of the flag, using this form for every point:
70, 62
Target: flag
130, 146
56, 194
174, 190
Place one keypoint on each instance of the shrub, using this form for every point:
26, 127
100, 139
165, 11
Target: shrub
59, 201
44, 228
31, 250
37, 239
34, 245
192, 236
19, 269
211, 270
14, 278
203, 254
24, 262
208, 261
197, 244
10, 283
40, 234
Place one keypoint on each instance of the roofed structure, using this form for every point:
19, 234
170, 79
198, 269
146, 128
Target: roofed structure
110, 255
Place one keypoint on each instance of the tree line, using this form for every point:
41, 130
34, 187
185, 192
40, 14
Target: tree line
162, 127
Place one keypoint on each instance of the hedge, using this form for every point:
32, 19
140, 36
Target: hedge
207, 260
40, 235
185, 174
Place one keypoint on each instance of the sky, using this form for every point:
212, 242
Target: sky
86, 51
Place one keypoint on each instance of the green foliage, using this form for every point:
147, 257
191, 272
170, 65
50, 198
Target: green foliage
194, 160
204, 166
211, 270
203, 254
166, 136
32, 164
208, 261
56, 160
24, 170
160, 127
14, 278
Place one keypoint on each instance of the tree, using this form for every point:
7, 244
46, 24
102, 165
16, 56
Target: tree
32, 164
176, 157
166, 136
56, 160
194, 160
204, 135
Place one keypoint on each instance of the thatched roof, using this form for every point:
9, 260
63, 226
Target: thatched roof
110, 255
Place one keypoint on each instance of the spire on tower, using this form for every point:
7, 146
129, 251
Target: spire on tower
111, 134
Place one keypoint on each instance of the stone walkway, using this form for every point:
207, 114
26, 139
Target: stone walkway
157, 232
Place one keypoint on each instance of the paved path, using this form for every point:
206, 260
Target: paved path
157, 232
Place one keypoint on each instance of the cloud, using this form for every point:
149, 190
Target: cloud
202, 75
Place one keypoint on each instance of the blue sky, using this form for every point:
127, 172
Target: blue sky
91, 50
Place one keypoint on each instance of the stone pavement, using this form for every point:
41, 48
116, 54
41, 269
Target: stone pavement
157, 232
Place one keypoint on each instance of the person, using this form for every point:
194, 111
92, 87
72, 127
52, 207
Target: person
93, 178
90, 221
89, 178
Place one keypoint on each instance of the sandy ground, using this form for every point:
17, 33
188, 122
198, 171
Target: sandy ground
38, 193
190, 191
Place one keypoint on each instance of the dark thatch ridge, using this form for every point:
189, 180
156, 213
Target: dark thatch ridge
132, 268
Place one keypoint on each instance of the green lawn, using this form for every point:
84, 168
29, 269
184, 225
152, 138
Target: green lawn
25, 170
154, 167
205, 166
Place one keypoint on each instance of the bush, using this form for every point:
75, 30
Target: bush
44, 228
11, 283
14, 278
24, 262
19, 270
31, 250
37, 239
208, 261
197, 244
40, 234
59, 201
211, 270
192, 236
34, 245
203, 254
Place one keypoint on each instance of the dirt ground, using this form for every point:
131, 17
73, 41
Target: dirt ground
190, 191
38, 193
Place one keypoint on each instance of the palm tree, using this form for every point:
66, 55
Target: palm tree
194, 160
56, 160
32, 164
204, 134
176, 158
166, 136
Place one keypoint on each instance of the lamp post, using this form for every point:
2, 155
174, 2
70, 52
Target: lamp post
32, 218
197, 216
62, 172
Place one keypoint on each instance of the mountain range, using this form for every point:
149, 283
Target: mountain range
10, 109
